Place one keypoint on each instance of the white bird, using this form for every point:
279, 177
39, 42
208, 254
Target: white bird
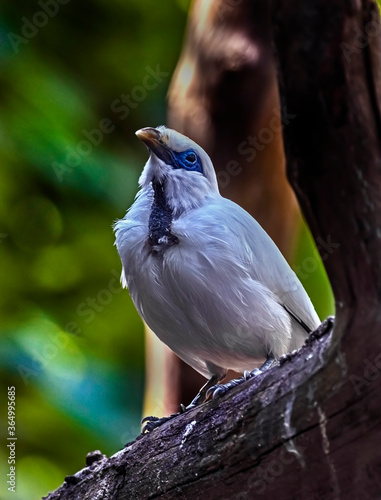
202, 273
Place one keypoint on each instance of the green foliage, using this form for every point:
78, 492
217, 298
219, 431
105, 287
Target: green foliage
309, 268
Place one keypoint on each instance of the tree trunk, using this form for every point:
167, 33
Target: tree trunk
310, 428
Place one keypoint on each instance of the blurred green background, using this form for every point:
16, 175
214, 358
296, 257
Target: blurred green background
71, 341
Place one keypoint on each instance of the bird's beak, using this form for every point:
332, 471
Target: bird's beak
153, 140
150, 136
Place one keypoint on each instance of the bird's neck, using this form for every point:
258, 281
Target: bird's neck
160, 220
185, 192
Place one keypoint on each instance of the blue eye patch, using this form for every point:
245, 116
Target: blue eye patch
188, 160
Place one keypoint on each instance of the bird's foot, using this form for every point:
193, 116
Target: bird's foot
150, 423
219, 390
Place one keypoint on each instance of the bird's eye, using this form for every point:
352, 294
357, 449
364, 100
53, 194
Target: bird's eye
188, 160
190, 157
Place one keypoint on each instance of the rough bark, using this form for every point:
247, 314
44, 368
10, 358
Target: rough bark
311, 428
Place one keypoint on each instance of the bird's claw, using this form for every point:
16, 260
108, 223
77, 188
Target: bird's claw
219, 390
212, 391
255, 372
216, 391
151, 422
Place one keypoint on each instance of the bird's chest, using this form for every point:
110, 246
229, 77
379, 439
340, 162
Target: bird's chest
160, 235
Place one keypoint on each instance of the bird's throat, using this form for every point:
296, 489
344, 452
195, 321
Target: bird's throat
160, 220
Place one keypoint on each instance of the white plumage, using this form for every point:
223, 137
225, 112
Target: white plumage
202, 273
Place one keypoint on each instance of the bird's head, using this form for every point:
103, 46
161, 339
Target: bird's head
179, 165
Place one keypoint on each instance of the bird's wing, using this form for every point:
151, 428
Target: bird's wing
261, 257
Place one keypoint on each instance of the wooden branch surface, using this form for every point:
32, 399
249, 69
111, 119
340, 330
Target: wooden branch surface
226, 448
